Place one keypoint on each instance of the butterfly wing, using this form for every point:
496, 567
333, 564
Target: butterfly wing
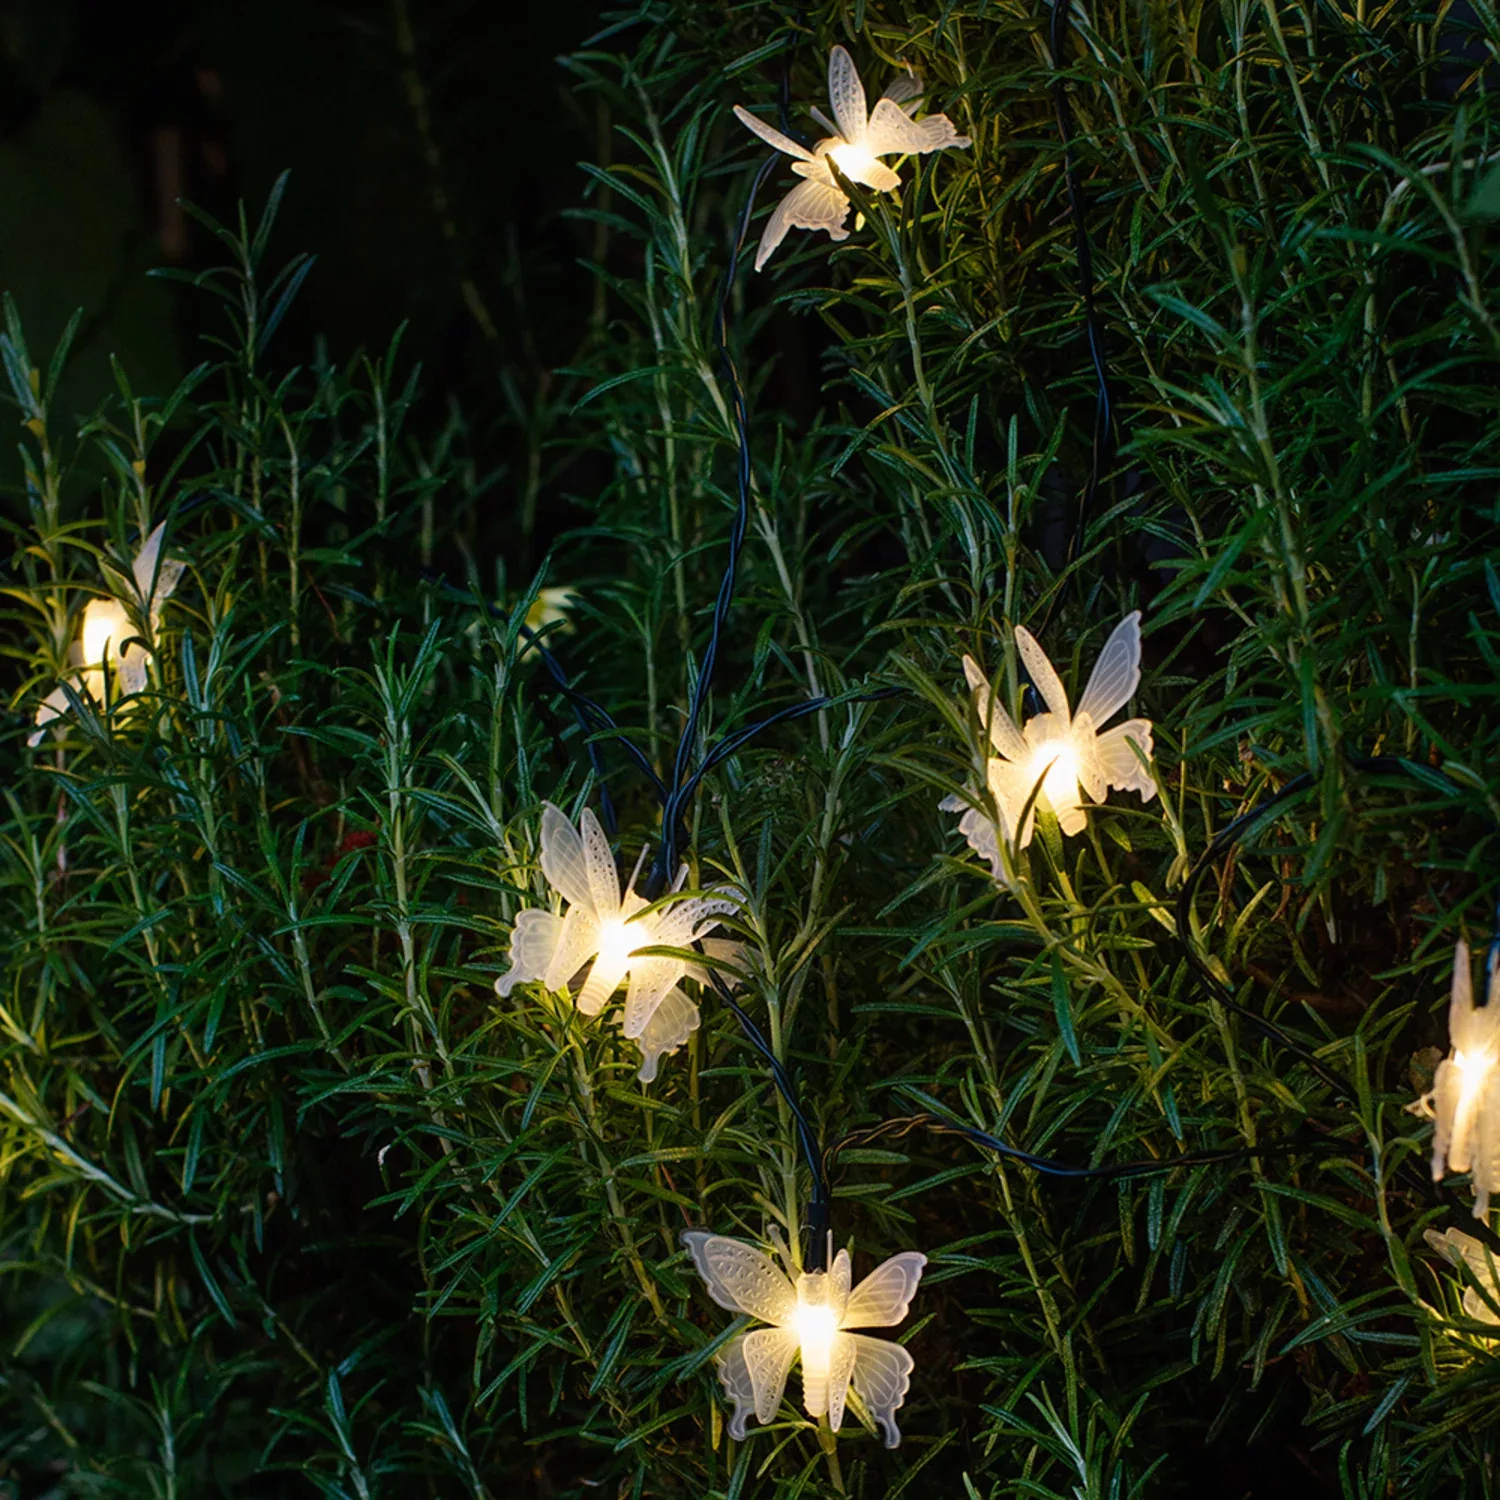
980, 834
893, 132
847, 96
52, 707
1118, 763
650, 980
673, 1021
881, 1300
599, 862
533, 941
1116, 674
741, 1278
576, 940
155, 578
904, 89
770, 135
999, 725
1043, 674
684, 922
809, 205
768, 1354
131, 669
882, 1377
562, 858
840, 1369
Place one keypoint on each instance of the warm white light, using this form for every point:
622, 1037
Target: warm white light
616, 943
1465, 1100
1064, 751
859, 137
815, 1327
1055, 765
853, 160
601, 932
106, 627
810, 1320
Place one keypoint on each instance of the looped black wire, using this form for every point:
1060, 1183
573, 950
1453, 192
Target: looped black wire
1050, 1167
1104, 420
1228, 837
820, 1206
594, 721
678, 797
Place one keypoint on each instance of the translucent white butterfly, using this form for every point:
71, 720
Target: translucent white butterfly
1465, 1097
114, 630
606, 931
810, 1317
855, 143
1059, 752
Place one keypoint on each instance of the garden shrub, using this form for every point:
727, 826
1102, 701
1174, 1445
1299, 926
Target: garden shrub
292, 1202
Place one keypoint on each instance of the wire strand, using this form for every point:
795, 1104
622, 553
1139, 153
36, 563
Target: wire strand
1104, 420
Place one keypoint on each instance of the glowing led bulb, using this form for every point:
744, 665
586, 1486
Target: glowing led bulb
816, 1325
1058, 755
616, 944
809, 1320
1465, 1102
858, 137
603, 931
106, 627
1056, 766
853, 160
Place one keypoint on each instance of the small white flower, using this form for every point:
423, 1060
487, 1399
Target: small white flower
855, 144
606, 931
1061, 753
809, 1318
113, 629
1465, 1097
1464, 1249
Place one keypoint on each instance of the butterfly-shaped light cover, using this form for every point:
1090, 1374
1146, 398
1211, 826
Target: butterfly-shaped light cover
1060, 753
1465, 1097
1463, 1249
811, 1317
858, 137
605, 930
113, 629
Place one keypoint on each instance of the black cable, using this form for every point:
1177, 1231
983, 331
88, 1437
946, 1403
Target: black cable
594, 721
1226, 838
1230, 836
820, 1204
1051, 1167
1078, 208
676, 799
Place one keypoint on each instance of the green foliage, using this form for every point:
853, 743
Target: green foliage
292, 1204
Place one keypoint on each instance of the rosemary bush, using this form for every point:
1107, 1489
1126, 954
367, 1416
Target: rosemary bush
292, 1204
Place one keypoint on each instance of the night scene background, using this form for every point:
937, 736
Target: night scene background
433, 543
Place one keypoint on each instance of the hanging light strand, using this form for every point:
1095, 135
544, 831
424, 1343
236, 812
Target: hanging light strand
1229, 837
1104, 419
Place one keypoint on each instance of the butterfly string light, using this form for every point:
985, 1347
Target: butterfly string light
1465, 1097
857, 138
118, 632
1060, 755
605, 931
810, 1318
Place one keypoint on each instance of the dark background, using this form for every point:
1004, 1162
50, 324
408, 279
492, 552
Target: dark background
454, 223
